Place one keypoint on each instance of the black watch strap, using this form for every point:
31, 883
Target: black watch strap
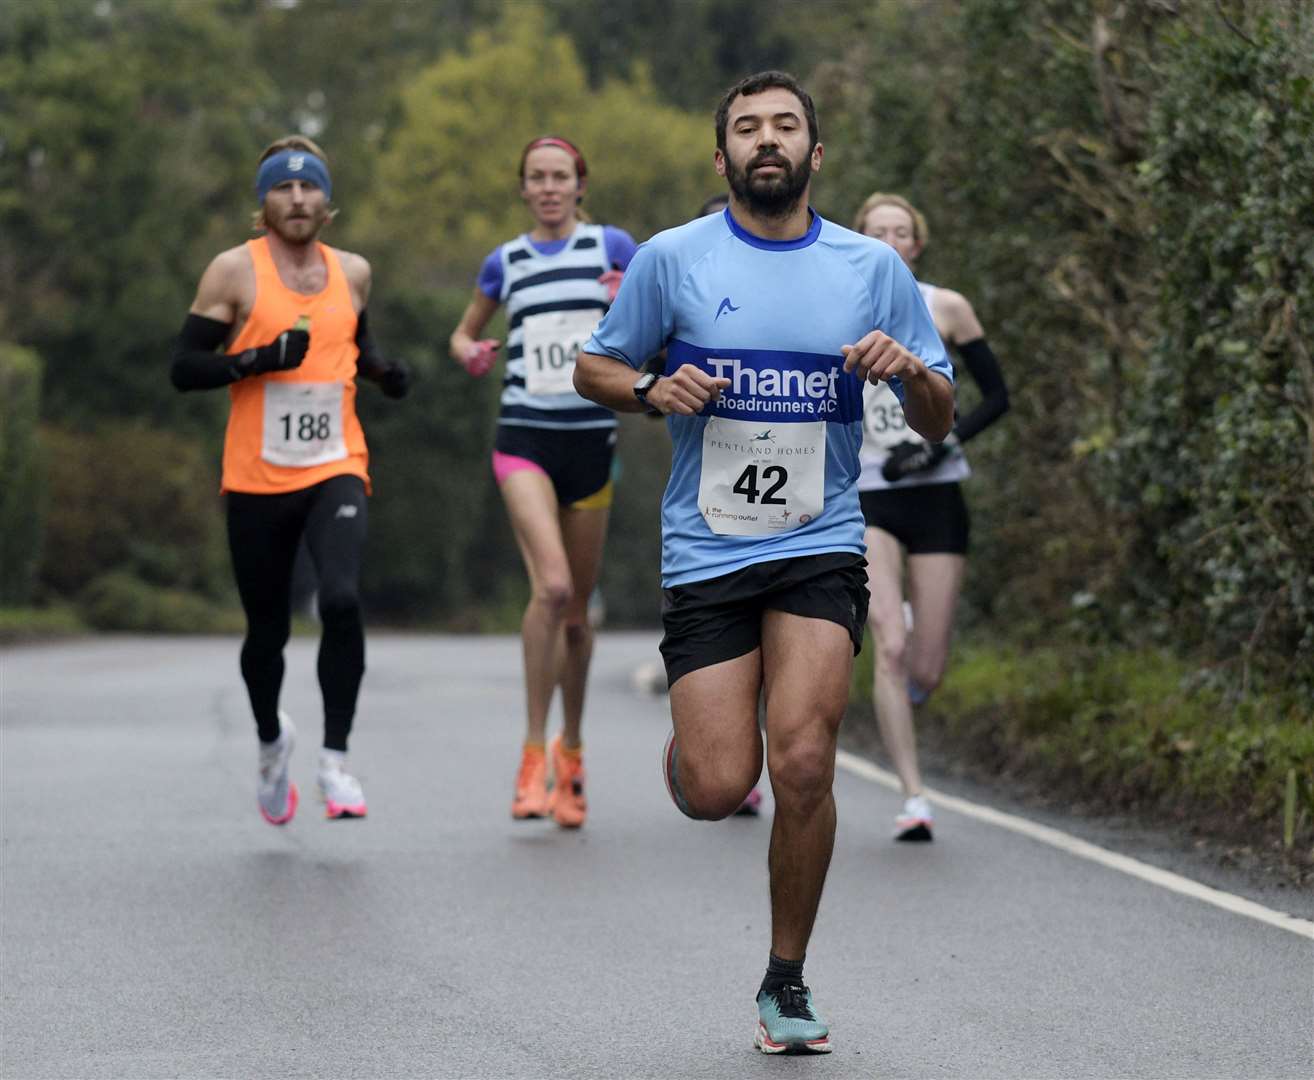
643, 385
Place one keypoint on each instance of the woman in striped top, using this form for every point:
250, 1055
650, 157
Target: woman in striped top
553, 451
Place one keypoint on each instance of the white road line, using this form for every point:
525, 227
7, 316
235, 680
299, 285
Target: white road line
860, 766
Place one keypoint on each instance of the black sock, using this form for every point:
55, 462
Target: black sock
782, 973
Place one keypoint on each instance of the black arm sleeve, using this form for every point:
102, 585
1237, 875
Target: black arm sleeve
196, 365
369, 364
984, 368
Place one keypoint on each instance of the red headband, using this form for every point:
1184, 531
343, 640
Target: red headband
581, 170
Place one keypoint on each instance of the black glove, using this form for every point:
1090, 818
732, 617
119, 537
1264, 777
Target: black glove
909, 458
284, 353
395, 379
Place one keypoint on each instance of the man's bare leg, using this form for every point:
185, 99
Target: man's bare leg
714, 711
806, 666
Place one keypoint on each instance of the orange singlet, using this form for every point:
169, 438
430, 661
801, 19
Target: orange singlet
290, 429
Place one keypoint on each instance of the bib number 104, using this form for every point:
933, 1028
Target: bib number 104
556, 356
306, 427
776, 476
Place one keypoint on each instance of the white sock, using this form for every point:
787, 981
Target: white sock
332, 760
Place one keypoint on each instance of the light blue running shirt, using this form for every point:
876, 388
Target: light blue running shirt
769, 471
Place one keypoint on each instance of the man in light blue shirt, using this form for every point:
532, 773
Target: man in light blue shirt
772, 319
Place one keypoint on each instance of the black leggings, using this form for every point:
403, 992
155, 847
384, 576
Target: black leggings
263, 534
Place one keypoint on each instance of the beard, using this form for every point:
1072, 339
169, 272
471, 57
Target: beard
768, 196
297, 231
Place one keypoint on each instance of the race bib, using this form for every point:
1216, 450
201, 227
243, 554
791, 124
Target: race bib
760, 478
883, 423
552, 341
303, 424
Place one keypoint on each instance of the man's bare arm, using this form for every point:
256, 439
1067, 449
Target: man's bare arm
610, 382
928, 401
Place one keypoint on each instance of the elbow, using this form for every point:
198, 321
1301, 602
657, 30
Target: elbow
581, 381
178, 376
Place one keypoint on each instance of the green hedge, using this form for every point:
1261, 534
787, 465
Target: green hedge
22, 493
1126, 729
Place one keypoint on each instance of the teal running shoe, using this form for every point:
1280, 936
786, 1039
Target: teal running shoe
787, 1023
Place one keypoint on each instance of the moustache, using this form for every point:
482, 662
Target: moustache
769, 159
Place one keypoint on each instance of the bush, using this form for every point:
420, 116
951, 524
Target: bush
27, 624
23, 492
1130, 729
133, 499
120, 601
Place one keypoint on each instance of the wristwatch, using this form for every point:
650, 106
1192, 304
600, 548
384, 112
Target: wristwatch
641, 388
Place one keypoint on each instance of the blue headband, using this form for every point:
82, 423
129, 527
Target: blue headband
293, 165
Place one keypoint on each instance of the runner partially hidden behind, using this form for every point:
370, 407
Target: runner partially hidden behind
552, 457
280, 321
772, 319
911, 502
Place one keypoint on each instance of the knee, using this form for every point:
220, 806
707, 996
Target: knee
713, 789
554, 593
576, 630
891, 651
927, 674
266, 636
802, 775
339, 605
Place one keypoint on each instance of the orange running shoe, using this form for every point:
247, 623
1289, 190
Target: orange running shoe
531, 799
567, 802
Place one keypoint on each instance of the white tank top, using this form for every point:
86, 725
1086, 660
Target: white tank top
884, 426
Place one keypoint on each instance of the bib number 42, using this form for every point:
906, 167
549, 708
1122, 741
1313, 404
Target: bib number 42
747, 485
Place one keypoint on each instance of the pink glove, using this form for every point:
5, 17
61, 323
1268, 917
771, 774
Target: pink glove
480, 356
612, 279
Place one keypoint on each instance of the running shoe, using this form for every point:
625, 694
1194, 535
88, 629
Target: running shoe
341, 792
531, 798
669, 756
787, 1022
566, 801
275, 792
915, 820
751, 806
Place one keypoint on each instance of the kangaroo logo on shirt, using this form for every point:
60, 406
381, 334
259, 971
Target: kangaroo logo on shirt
725, 306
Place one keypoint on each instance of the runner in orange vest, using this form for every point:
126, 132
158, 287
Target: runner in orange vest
280, 321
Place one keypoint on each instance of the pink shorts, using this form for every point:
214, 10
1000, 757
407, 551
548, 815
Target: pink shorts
506, 464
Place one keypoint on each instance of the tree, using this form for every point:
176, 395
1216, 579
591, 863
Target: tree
446, 190
120, 175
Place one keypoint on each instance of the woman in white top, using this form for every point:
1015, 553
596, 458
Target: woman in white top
913, 507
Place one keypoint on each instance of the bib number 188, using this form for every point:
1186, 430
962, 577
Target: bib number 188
306, 427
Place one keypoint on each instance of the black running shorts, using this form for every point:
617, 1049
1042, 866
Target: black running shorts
710, 621
930, 519
576, 460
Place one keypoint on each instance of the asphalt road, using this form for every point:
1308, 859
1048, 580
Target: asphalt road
152, 925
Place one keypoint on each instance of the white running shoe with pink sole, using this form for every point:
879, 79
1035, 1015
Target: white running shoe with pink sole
275, 793
341, 792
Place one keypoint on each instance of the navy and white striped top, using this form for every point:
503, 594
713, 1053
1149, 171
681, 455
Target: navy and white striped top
537, 282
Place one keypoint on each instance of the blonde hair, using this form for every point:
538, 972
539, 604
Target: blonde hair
880, 198
287, 142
